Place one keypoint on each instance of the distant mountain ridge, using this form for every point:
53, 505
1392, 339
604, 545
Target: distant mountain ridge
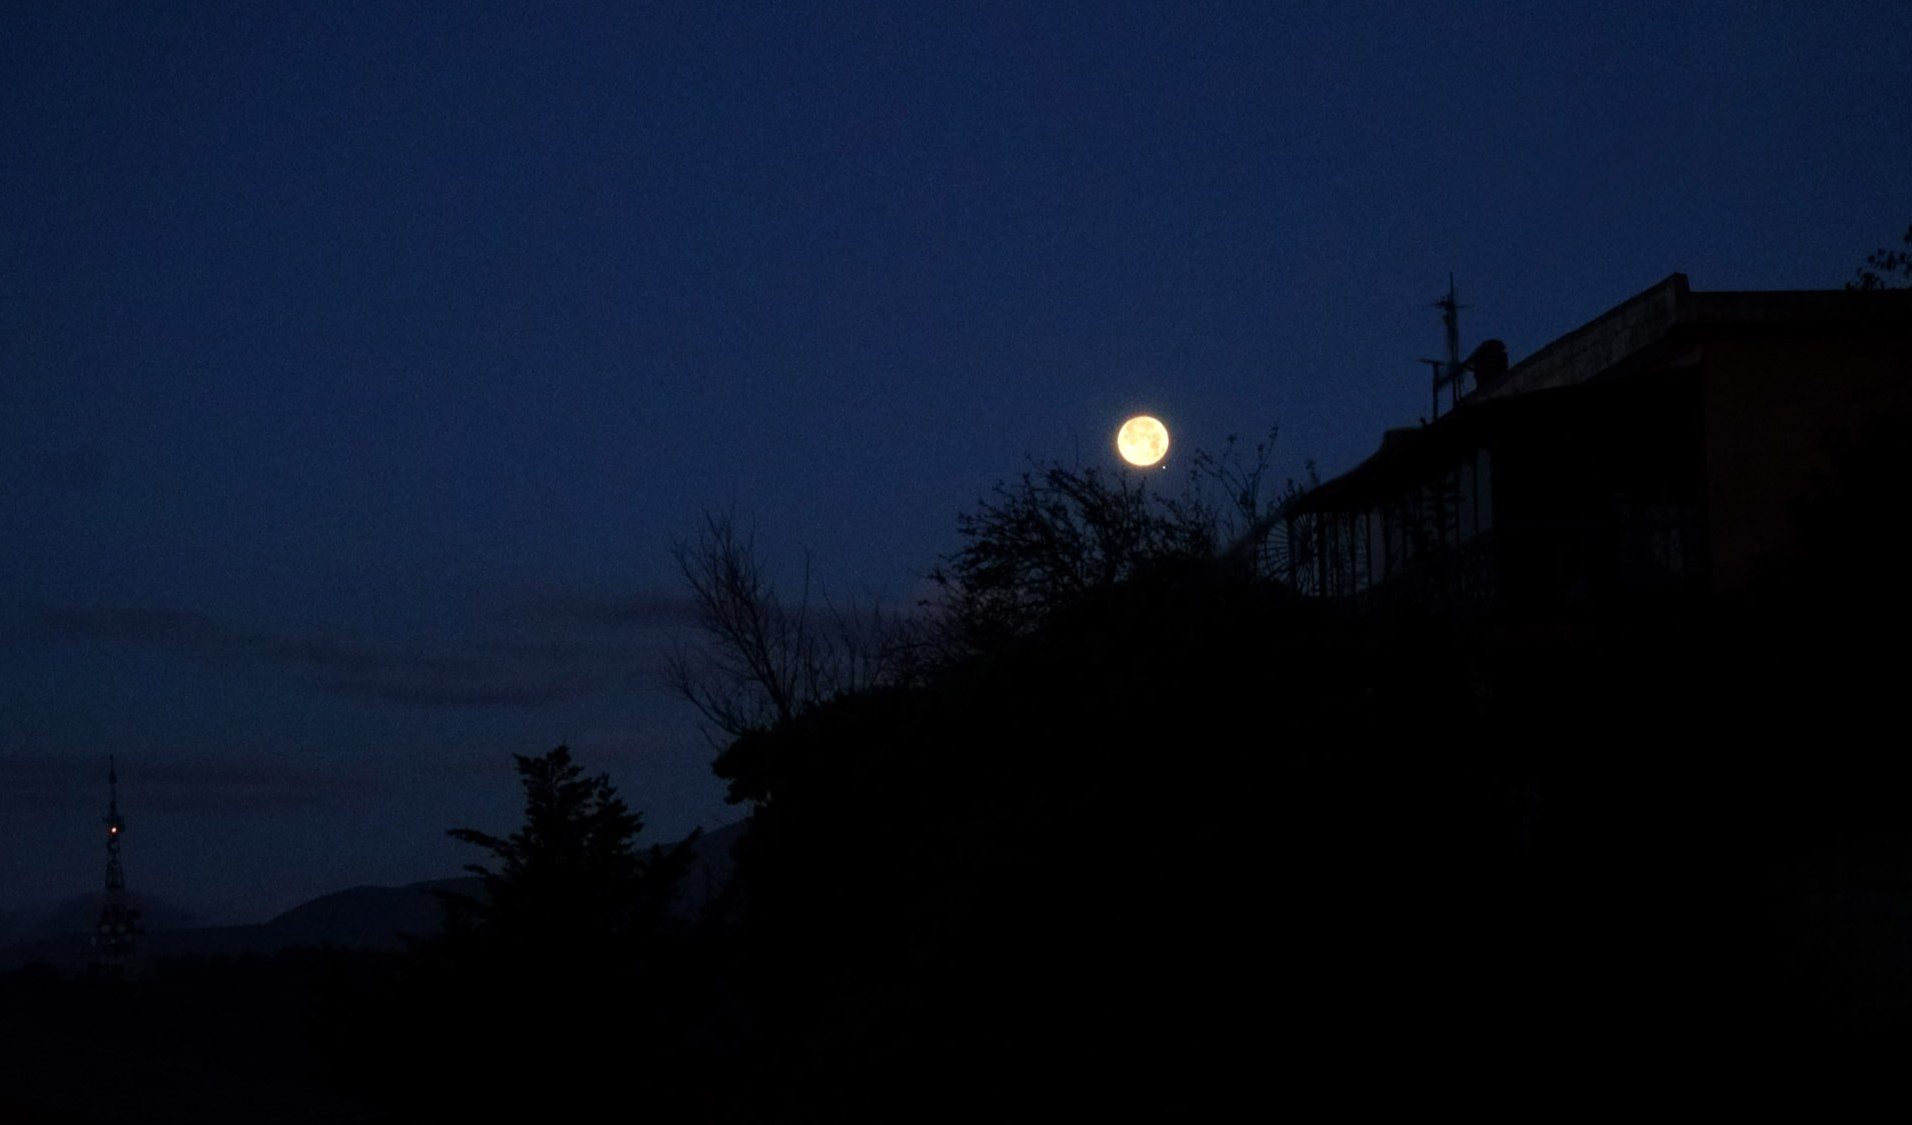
364, 917
77, 915
358, 918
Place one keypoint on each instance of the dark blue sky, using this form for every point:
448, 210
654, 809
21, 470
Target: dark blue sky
358, 365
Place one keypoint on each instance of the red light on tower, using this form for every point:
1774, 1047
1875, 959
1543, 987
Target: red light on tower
118, 939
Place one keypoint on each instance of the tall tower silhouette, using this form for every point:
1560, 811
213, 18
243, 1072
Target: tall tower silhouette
116, 941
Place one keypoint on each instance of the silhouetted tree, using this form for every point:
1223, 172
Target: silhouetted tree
763, 659
572, 875
564, 963
1886, 268
1062, 533
1033, 548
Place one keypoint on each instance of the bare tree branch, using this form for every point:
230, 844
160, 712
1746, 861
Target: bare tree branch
762, 661
1063, 532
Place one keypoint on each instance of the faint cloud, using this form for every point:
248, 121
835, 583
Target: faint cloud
39, 779
242, 784
138, 625
235, 785
69, 472
622, 746
348, 661
495, 693
480, 675
641, 611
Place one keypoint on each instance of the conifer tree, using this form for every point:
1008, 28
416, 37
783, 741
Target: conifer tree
571, 880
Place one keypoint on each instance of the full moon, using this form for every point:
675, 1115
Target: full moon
1142, 441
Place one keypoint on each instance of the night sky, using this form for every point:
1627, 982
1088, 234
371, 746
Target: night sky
359, 363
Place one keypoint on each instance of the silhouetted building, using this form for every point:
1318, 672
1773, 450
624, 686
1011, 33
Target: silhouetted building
1658, 448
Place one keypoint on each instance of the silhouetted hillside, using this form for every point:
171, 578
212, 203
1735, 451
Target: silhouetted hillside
359, 918
369, 918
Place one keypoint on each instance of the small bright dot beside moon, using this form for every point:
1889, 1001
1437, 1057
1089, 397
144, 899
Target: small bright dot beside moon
1142, 441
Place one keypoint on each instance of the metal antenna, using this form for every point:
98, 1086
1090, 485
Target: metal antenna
116, 939
115, 824
1448, 372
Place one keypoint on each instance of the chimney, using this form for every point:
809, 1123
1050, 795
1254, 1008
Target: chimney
1489, 363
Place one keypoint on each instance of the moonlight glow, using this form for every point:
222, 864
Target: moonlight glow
1142, 441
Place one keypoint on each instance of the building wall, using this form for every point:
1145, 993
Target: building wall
1599, 491
1774, 396
1660, 448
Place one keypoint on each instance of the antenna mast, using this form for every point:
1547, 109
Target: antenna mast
1448, 372
116, 939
